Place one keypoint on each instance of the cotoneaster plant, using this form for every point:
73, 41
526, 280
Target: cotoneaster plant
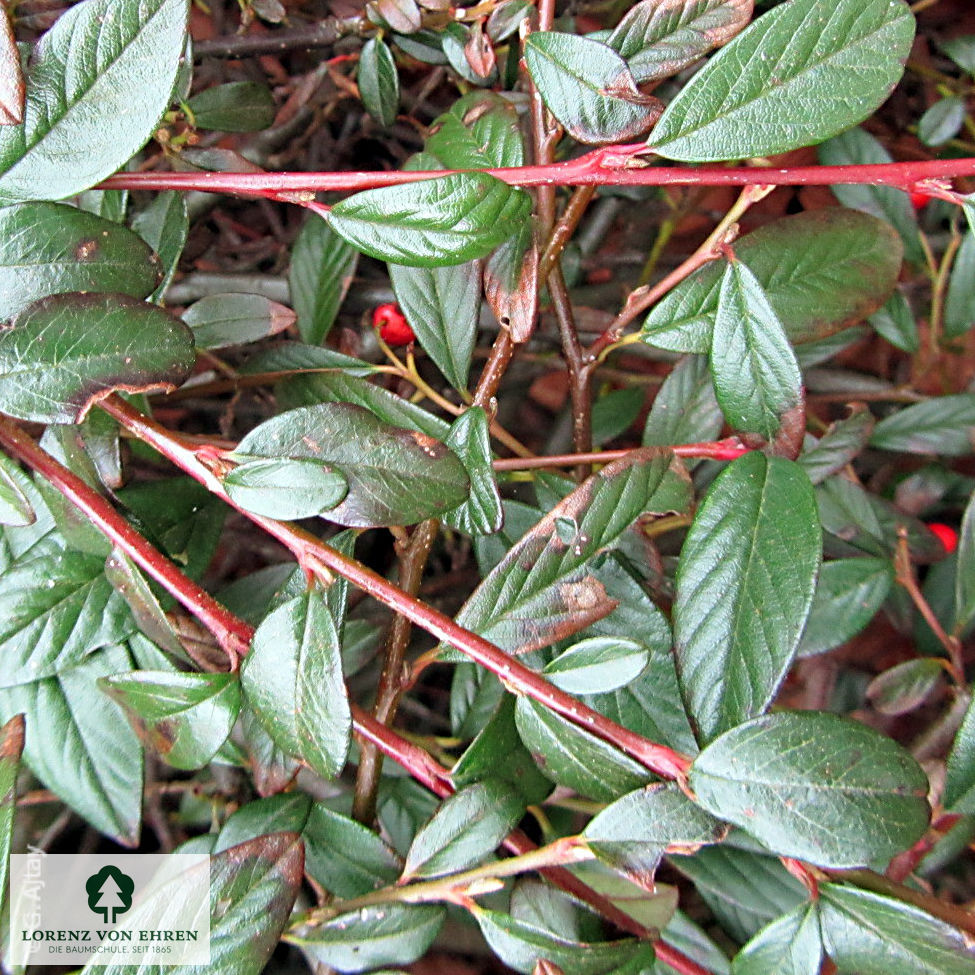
613, 629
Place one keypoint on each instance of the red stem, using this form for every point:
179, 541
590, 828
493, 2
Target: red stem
731, 448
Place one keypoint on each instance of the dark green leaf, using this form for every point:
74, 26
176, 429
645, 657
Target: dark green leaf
821, 271
959, 312
480, 131
468, 827
390, 934
110, 204
961, 50
689, 938
11, 748
815, 786
285, 487
447, 220
905, 686
942, 121
184, 717
403, 806
773, 88
164, 225
50, 248
235, 319
292, 678
82, 118
965, 576
942, 425
839, 446
588, 88
876, 935
756, 376
322, 268
960, 783
896, 323
659, 38
378, 81
745, 584
597, 665
131, 585
284, 813
465, 47
442, 305
65, 352
470, 440
295, 357
239, 106
790, 946
849, 593
615, 412
506, 17
15, 507
395, 476
684, 410
86, 755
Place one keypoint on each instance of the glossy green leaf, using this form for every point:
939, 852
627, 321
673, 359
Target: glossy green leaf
745, 584
164, 225
434, 222
849, 593
634, 832
506, 17
469, 439
821, 271
904, 687
65, 352
239, 106
183, 717
109, 204
285, 487
575, 758
815, 786
959, 311
871, 934
11, 749
322, 268
615, 412
50, 248
756, 376
774, 87
959, 795
479, 131
843, 441
468, 827
88, 756
389, 934
292, 678
792, 945
442, 305
896, 323
659, 38
597, 665
81, 119
378, 81
235, 319
464, 48
15, 507
588, 88
296, 357
520, 945
685, 409
129, 582
942, 425
942, 121
688, 937
965, 576
284, 813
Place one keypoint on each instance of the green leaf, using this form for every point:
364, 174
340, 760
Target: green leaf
965, 575
164, 225
82, 119
54, 611
792, 945
15, 507
588, 88
86, 755
128, 581
292, 678
520, 946
942, 121
849, 593
184, 717
775, 87
480, 131
689, 938
634, 832
959, 311
840, 445
745, 584
902, 688
64, 353
821, 271
815, 786
378, 81
469, 439
447, 220
575, 758
959, 793
756, 376
442, 305
11, 748
284, 813
389, 934
659, 38
941, 425
511, 283
239, 106
296, 357
468, 827
896, 323
322, 268
597, 665
285, 488
235, 319
345, 857
50, 248
615, 412
685, 409
395, 476
875, 935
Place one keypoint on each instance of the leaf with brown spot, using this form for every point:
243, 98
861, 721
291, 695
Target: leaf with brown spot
511, 284
11, 75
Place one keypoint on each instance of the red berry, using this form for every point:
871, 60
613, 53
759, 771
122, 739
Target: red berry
946, 535
393, 327
920, 199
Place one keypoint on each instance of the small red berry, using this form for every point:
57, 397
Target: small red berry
920, 199
393, 327
946, 535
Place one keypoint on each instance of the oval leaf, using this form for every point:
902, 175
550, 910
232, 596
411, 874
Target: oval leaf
15, 507
378, 81
815, 786
285, 488
597, 665
775, 86
240, 106
448, 220
235, 319
943, 425
790, 945
64, 353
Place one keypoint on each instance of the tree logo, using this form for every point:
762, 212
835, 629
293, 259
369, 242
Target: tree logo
109, 893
